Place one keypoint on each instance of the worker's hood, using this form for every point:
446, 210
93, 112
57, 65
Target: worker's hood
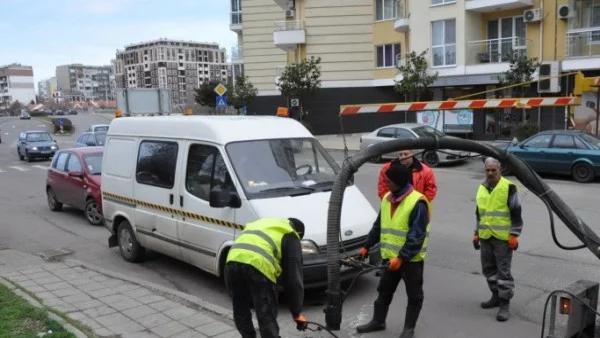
357, 213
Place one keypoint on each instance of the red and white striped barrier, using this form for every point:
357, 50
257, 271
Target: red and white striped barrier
460, 104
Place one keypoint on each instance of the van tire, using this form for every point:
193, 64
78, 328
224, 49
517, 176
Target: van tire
130, 248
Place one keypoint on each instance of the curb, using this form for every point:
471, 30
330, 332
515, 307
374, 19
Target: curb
212, 308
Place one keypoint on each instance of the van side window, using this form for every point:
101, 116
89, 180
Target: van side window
206, 170
156, 163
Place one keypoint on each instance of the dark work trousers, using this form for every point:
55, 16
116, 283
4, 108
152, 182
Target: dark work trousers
496, 259
250, 288
412, 274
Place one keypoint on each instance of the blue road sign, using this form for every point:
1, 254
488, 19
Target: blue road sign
222, 101
61, 122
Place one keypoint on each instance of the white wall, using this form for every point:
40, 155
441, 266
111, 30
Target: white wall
23, 95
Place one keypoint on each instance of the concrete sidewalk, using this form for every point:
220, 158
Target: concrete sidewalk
113, 305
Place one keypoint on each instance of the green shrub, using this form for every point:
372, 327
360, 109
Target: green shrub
67, 125
38, 113
525, 130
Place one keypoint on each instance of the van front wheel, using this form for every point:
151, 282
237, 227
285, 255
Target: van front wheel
130, 248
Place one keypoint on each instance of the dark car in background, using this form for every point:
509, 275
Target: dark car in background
25, 116
36, 144
91, 139
573, 153
74, 179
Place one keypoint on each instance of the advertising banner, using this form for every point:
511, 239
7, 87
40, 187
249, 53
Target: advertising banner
585, 114
448, 121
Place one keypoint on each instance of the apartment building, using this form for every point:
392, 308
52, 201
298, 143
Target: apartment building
85, 82
181, 66
361, 42
16, 84
46, 88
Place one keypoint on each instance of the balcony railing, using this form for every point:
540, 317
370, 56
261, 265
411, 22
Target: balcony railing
236, 18
237, 53
584, 42
495, 50
295, 25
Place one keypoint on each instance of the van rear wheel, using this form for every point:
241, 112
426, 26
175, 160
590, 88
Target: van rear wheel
130, 248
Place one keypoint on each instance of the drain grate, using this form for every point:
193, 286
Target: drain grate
54, 254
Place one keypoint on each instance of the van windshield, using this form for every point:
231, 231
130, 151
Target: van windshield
282, 167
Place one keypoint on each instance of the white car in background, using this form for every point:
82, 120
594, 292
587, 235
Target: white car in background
412, 130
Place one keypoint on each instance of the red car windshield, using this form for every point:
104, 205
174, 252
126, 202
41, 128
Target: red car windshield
93, 163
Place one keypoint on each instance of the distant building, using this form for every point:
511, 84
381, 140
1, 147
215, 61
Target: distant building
90, 82
47, 88
16, 84
181, 66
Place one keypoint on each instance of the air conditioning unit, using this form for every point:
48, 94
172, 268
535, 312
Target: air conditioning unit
532, 15
565, 12
290, 14
549, 69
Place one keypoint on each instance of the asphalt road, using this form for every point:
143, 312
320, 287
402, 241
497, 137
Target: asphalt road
453, 286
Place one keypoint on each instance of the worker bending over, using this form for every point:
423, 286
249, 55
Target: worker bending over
266, 249
402, 227
499, 225
423, 178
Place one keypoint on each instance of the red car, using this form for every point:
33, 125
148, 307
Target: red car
74, 179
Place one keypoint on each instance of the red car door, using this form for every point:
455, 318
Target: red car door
57, 175
74, 185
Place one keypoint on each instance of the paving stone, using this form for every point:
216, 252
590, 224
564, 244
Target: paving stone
229, 334
139, 312
88, 304
27, 283
99, 311
31, 271
214, 328
40, 275
91, 286
150, 299
19, 279
112, 319
56, 286
89, 322
113, 299
100, 293
64, 307
66, 292
103, 332
154, 320
189, 334
124, 288
111, 283
49, 280
55, 266
12, 274
36, 289
179, 312
169, 329
80, 282
164, 305
76, 298
100, 278
196, 320
52, 301
125, 327
139, 292
142, 334
125, 304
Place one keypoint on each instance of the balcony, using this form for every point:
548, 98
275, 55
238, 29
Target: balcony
289, 34
490, 6
583, 43
236, 22
237, 54
402, 23
493, 55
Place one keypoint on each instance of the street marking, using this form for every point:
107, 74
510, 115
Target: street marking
39, 166
16, 167
41, 125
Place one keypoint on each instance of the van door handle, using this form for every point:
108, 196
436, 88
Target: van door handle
171, 198
181, 200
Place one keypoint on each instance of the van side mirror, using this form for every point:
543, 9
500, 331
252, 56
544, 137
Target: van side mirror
220, 198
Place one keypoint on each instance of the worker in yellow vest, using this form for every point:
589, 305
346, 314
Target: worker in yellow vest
266, 249
498, 227
402, 228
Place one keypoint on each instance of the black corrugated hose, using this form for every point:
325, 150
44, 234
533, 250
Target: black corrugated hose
333, 311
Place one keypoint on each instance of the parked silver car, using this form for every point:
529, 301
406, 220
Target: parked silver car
412, 130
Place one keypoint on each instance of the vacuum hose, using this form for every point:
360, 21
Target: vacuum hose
333, 311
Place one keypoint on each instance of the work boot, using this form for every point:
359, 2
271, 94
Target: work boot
378, 322
410, 321
492, 302
503, 312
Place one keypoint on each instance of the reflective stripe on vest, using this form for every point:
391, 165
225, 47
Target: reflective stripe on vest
494, 213
259, 245
394, 229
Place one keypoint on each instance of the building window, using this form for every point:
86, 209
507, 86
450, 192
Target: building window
385, 9
594, 22
443, 46
442, 2
386, 55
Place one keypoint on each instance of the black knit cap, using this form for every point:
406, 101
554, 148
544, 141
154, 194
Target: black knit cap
298, 226
399, 174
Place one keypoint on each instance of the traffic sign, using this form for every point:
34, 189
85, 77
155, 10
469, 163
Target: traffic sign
61, 122
220, 89
221, 101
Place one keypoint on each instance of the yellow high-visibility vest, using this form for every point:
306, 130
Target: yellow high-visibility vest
494, 213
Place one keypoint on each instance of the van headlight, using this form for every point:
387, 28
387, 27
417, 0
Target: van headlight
309, 247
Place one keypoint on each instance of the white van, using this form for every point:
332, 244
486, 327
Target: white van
185, 186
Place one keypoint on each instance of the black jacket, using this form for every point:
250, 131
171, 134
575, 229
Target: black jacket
292, 276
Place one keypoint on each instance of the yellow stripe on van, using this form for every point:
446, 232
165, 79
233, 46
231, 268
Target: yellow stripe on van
135, 203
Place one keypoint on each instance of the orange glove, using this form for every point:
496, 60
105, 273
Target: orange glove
395, 264
301, 322
363, 252
513, 242
476, 244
